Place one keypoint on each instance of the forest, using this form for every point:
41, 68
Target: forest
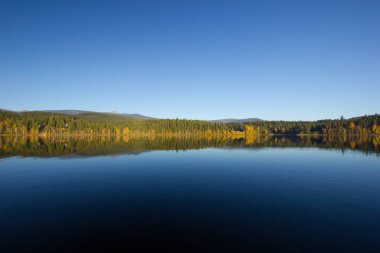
103, 124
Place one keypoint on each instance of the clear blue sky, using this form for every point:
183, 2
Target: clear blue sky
291, 60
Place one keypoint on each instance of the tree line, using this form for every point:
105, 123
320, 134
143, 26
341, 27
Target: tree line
50, 124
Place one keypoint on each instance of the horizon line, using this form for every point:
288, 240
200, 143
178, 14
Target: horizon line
152, 117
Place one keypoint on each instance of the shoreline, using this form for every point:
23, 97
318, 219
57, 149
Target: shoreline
182, 135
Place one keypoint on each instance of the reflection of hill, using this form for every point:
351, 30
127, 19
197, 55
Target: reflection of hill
92, 146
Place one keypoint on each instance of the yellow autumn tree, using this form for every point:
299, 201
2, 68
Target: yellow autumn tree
249, 130
376, 129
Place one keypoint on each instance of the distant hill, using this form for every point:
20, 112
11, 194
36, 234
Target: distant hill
140, 116
235, 120
130, 115
78, 112
70, 112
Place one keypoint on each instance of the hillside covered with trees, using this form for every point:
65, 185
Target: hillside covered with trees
92, 123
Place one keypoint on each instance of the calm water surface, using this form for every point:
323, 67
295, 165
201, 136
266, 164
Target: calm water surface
228, 198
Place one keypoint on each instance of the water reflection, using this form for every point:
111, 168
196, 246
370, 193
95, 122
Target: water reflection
113, 145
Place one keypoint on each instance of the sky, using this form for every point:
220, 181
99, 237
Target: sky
274, 60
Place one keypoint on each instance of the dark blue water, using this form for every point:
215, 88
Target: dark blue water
211, 200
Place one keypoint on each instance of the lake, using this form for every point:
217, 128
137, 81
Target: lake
273, 194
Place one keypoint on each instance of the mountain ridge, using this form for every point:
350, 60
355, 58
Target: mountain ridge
140, 116
79, 112
129, 115
234, 120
